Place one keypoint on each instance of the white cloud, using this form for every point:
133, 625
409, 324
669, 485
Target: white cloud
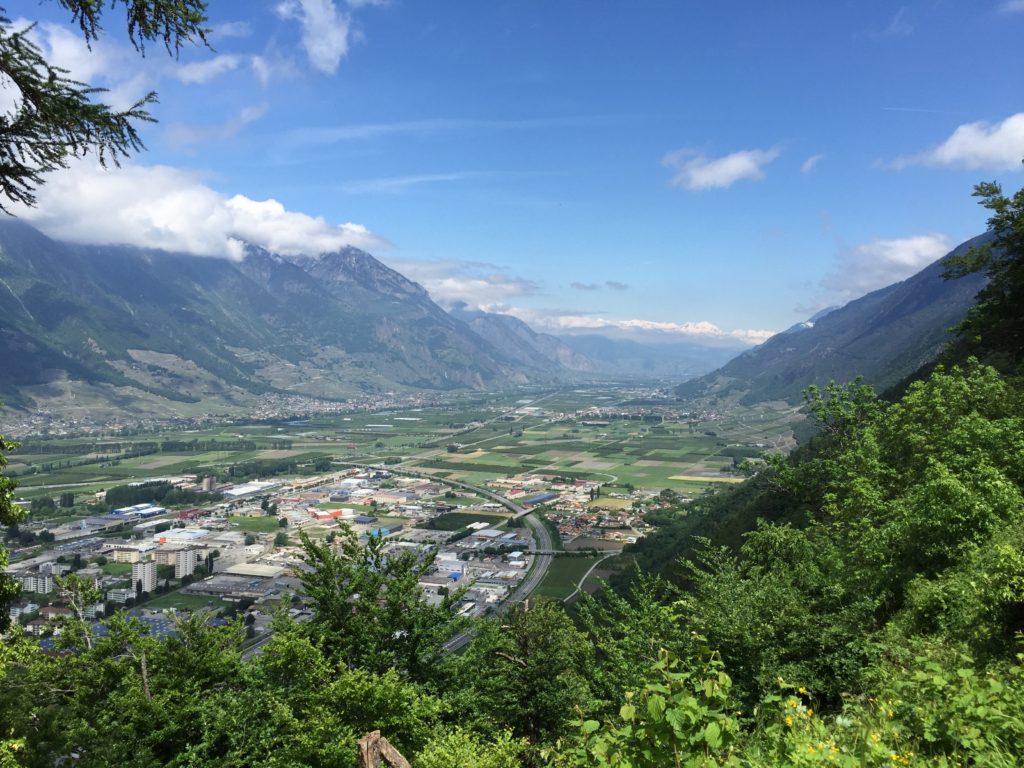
231, 29
401, 183
1012, 6
187, 135
879, 263
270, 65
612, 285
204, 71
452, 281
900, 26
170, 209
10, 97
325, 31
809, 164
125, 74
994, 146
696, 172
549, 321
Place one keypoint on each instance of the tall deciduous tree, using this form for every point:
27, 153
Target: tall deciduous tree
369, 608
994, 327
527, 673
10, 514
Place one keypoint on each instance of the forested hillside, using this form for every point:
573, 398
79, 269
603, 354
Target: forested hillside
883, 337
871, 617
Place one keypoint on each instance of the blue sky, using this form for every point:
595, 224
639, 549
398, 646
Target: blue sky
674, 170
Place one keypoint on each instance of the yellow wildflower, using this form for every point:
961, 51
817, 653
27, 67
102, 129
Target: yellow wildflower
875, 738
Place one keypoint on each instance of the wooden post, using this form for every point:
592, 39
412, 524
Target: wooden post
375, 749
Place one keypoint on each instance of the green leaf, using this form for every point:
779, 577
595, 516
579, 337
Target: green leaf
713, 735
656, 707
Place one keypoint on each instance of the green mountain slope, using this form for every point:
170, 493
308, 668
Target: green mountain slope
883, 336
136, 323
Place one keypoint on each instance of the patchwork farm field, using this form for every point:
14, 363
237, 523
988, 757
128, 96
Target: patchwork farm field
582, 433
682, 456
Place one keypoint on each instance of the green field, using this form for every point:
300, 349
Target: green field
265, 524
454, 521
184, 601
117, 569
464, 501
563, 575
496, 437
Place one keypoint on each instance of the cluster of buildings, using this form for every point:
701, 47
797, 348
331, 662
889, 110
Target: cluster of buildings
266, 407
484, 561
578, 507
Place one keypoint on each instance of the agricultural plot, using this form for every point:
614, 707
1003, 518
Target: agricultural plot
265, 524
498, 435
563, 575
461, 501
184, 601
454, 521
116, 569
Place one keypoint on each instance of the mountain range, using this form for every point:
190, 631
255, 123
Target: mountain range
141, 329
145, 332
884, 337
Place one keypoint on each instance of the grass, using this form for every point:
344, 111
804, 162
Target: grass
466, 501
116, 569
265, 524
453, 521
670, 455
563, 575
183, 601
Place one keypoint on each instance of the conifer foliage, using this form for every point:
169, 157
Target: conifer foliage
56, 118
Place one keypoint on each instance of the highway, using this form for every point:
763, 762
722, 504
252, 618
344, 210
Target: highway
543, 545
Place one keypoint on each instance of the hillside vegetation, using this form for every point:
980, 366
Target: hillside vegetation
883, 337
872, 619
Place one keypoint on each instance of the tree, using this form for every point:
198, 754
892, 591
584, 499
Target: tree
527, 673
629, 631
10, 515
368, 606
249, 539
80, 594
67, 499
57, 118
283, 522
281, 539
994, 326
42, 505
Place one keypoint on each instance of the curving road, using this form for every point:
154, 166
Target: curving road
541, 536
